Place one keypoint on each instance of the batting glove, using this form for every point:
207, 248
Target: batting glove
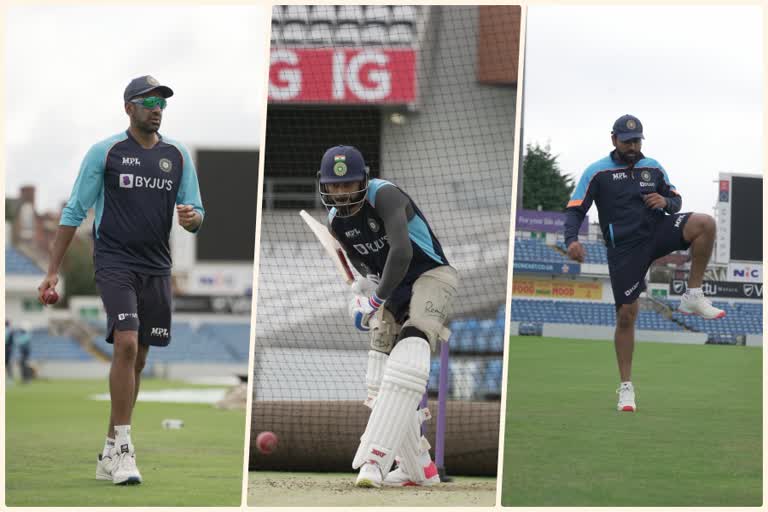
362, 310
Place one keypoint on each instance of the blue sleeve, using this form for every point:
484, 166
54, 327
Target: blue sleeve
668, 190
88, 188
189, 189
578, 206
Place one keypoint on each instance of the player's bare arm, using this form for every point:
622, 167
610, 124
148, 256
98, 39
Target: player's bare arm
189, 219
64, 236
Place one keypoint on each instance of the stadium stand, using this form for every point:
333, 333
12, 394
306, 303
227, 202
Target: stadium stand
346, 25
741, 318
536, 250
588, 313
17, 263
45, 347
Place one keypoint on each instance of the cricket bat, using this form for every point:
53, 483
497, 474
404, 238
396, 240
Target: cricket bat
331, 246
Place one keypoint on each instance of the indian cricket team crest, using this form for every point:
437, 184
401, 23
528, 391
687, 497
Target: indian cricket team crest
373, 225
165, 165
631, 124
339, 165
645, 175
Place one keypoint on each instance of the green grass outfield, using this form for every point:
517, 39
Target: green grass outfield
54, 432
696, 439
276, 489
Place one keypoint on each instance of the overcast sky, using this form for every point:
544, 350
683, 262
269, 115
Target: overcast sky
67, 67
692, 75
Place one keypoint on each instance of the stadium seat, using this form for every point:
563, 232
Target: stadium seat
18, 263
294, 33
400, 34
323, 14
348, 34
320, 34
277, 14
374, 33
404, 14
297, 13
377, 14
350, 14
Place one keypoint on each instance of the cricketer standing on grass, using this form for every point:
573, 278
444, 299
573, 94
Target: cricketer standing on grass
133, 179
638, 209
404, 303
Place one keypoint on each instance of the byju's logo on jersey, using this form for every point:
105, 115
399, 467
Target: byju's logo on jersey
131, 181
131, 161
619, 176
165, 165
126, 181
371, 247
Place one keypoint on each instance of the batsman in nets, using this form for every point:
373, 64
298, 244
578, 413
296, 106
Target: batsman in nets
403, 303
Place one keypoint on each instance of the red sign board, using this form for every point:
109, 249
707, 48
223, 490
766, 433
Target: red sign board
342, 75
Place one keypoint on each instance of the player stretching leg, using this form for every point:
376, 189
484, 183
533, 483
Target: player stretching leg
638, 209
133, 179
385, 235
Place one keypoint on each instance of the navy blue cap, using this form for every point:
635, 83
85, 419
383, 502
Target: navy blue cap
628, 127
144, 84
342, 164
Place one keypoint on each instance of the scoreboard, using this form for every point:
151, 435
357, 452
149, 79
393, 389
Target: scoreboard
739, 218
229, 186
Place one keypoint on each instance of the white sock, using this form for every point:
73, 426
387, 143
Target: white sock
123, 437
109, 444
694, 291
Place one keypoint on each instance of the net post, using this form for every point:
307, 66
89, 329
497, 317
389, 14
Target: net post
442, 395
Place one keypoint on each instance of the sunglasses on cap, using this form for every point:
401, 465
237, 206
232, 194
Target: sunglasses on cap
151, 102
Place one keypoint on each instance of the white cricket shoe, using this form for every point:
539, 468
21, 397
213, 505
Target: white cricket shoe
626, 398
105, 465
369, 476
698, 304
399, 478
125, 471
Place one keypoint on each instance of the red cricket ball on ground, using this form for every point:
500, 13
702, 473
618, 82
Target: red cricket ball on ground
266, 442
50, 296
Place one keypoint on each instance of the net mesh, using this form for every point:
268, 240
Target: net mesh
428, 96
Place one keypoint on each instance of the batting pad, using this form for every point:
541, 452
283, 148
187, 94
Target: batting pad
376, 363
405, 379
413, 454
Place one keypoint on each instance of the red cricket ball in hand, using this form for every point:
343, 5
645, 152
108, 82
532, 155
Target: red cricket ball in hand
50, 296
266, 442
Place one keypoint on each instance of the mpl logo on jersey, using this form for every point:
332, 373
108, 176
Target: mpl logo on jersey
161, 332
131, 161
342, 75
745, 273
619, 176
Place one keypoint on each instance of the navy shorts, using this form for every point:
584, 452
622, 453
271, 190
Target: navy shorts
628, 263
136, 302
